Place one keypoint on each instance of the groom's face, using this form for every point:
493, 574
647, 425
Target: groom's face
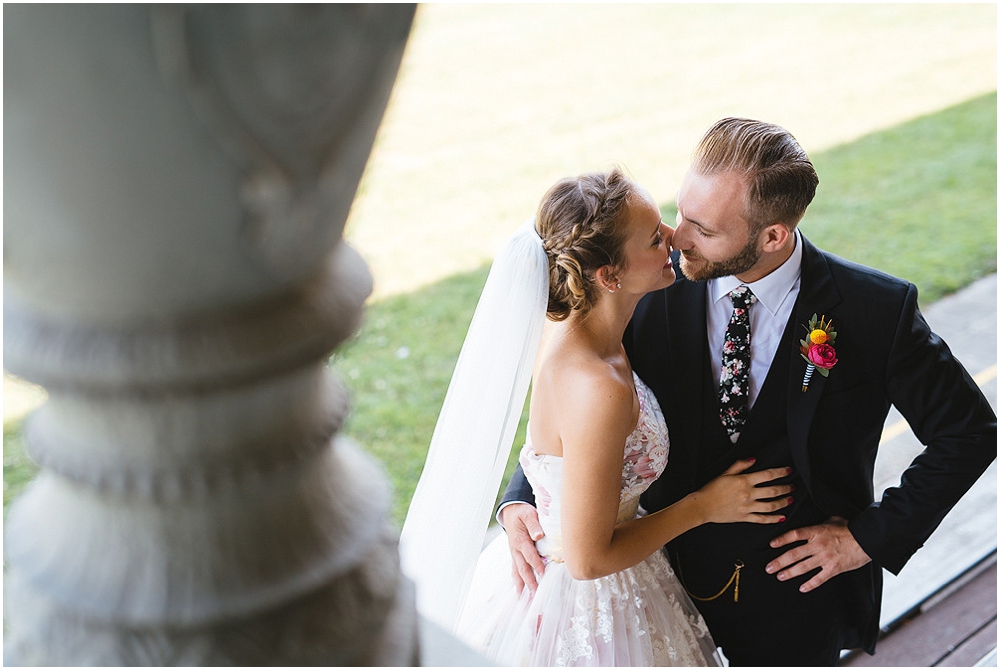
712, 234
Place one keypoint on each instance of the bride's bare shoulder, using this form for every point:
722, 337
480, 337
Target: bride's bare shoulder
580, 380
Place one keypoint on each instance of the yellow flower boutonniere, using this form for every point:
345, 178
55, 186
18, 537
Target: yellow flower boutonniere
817, 349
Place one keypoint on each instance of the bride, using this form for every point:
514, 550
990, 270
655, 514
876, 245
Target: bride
596, 440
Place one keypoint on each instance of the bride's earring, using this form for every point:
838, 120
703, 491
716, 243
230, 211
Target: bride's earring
617, 287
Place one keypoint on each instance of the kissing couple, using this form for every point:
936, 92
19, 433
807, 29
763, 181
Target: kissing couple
706, 407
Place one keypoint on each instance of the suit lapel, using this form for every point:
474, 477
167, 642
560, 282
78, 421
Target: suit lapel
687, 331
687, 335
817, 295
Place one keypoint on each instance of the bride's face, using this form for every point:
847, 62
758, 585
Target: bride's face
648, 248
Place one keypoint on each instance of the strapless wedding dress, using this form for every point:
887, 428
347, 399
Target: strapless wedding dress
640, 616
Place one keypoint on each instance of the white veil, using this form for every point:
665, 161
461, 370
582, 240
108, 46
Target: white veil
448, 517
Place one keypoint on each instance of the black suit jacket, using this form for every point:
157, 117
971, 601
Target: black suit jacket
887, 355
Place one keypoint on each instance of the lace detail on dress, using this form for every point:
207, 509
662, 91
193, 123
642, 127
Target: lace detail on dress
646, 449
572, 644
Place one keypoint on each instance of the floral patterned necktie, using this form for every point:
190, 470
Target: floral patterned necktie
734, 380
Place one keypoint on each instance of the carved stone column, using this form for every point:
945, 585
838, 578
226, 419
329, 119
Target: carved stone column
176, 183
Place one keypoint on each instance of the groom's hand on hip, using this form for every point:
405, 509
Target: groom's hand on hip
828, 546
520, 520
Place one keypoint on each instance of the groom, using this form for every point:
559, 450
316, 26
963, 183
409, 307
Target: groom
798, 595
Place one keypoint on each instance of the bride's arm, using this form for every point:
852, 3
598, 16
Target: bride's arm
595, 421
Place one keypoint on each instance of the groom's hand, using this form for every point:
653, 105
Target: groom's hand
829, 546
520, 520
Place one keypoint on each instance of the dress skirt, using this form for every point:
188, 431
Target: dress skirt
640, 616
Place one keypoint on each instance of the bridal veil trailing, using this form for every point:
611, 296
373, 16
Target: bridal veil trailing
450, 511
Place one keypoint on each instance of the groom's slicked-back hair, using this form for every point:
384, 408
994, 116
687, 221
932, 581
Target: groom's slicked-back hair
781, 180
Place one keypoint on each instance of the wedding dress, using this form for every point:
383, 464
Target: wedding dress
639, 616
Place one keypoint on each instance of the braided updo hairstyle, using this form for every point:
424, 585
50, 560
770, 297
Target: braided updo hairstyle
582, 223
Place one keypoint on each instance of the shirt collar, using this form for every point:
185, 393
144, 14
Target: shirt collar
772, 289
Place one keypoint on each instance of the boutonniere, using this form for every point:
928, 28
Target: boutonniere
817, 349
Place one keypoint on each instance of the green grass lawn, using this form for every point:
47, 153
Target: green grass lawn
495, 102
917, 200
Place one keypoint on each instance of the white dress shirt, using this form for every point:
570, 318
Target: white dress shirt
776, 294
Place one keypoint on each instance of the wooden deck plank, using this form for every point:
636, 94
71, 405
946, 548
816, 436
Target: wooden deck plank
974, 649
946, 626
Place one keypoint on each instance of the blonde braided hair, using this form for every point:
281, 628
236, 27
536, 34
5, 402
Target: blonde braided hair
582, 223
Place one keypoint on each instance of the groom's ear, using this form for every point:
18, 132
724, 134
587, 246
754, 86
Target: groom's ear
775, 237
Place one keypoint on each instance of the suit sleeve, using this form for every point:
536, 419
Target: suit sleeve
949, 415
518, 490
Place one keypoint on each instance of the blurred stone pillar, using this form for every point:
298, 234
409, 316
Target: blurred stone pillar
177, 180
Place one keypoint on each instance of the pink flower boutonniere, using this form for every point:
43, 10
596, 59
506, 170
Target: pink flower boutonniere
817, 349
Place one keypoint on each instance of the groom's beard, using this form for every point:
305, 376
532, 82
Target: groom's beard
744, 259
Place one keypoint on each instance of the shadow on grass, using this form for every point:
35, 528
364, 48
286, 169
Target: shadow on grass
917, 201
